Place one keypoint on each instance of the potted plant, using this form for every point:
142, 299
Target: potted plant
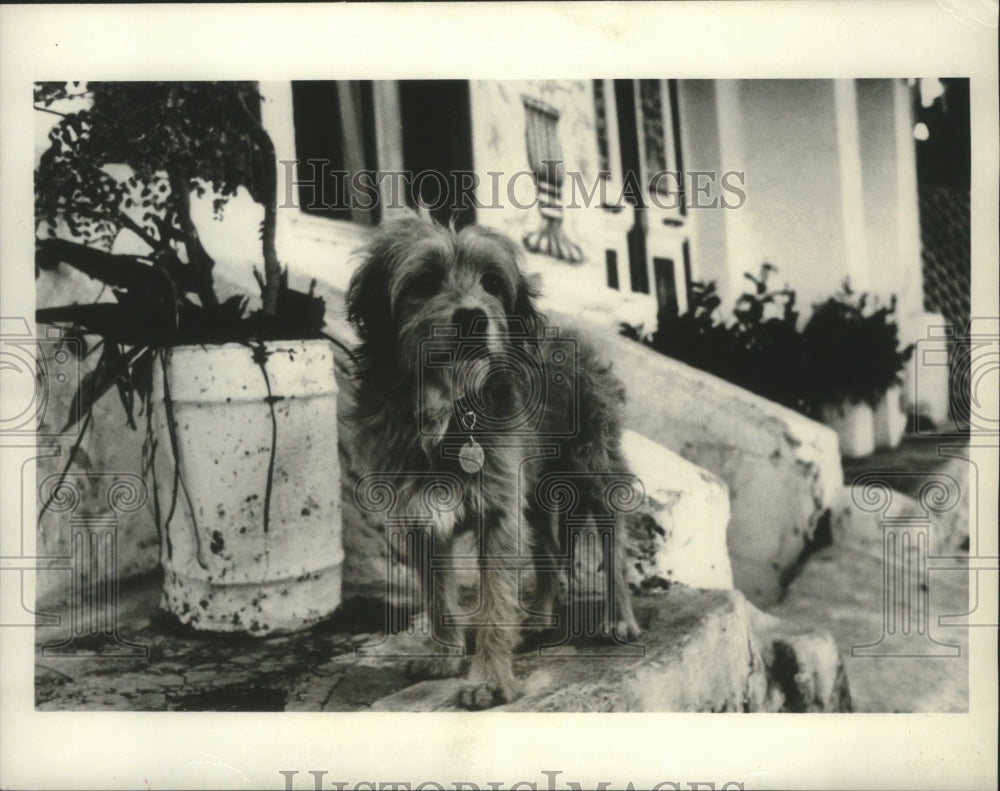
695, 337
760, 350
855, 360
239, 407
766, 333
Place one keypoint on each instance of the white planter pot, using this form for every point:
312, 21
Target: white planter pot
890, 420
855, 427
239, 555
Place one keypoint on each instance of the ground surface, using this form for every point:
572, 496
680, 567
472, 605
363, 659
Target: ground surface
839, 588
695, 655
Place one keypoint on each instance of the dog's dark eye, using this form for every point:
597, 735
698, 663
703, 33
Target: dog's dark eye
493, 284
426, 284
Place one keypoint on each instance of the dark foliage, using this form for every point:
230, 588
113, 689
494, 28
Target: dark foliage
854, 342
760, 350
849, 349
174, 138
770, 358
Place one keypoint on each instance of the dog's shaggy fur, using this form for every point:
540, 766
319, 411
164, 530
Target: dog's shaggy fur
414, 417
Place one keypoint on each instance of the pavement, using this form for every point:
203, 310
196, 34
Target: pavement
701, 650
151, 663
840, 588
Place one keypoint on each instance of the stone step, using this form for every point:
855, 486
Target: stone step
679, 534
842, 590
937, 496
782, 469
700, 651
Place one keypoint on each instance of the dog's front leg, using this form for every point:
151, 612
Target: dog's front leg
440, 591
492, 678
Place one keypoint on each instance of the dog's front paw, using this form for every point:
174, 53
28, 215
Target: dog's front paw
479, 695
626, 627
491, 683
628, 630
434, 667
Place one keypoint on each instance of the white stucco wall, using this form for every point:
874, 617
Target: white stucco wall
830, 185
499, 145
793, 217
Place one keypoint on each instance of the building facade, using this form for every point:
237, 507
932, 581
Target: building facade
622, 192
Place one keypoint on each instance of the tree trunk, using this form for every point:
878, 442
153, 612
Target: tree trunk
198, 257
267, 190
269, 197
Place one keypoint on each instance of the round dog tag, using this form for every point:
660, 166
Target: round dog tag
471, 456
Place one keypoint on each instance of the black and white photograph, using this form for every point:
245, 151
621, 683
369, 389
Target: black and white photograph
502, 422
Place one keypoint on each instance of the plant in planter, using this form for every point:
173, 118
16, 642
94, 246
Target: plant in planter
852, 343
760, 350
240, 408
697, 337
766, 331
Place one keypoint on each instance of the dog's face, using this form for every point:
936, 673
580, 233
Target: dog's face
419, 281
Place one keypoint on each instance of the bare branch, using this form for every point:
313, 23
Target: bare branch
47, 110
139, 231
269, 198
198, 257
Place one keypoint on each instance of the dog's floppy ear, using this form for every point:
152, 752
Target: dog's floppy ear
369, 306
368, 298
524, 305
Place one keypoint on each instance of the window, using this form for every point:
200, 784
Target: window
365, 146
601, 122
611, 264
666, 289
648, 138
437, 139
658, 101
334, 137
637, 127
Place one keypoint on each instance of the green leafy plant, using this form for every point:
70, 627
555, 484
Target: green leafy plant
695, 337
852, 341
849, 350
128, 161
772, 360
759, 350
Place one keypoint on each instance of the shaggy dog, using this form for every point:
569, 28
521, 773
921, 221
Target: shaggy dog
459, 378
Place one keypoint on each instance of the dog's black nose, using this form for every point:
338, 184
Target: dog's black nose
470, 321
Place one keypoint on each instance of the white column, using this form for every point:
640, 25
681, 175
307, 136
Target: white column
851, 191
910, 267
741, 244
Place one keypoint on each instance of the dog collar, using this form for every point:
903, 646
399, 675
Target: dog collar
472, 455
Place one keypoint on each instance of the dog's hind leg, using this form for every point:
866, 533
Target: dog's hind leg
546, 572
626, 627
